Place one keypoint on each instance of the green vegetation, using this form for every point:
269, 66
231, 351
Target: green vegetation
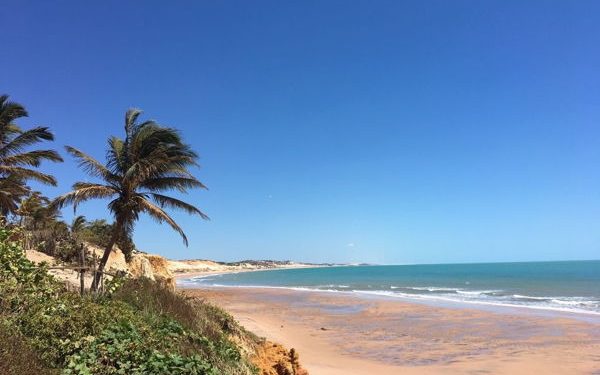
44, 231
140, 328
17, 356
150, 160
96, 232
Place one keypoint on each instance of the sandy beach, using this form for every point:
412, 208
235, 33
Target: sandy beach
339, 334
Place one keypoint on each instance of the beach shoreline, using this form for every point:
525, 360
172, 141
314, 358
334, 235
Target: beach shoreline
346, 334
493, 286
506, 309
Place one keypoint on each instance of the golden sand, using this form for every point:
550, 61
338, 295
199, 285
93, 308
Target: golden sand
339, 334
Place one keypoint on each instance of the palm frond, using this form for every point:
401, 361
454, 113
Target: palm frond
8, 203
161, 216
145, 167
172, 182
131, 125
90, 165
28, 174
131, 116
24, 139
31, 158
84, 191
10, 111
12, 190
114, 155
166, 201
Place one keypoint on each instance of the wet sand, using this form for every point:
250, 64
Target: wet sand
339, 334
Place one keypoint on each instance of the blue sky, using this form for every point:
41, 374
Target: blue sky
344, 131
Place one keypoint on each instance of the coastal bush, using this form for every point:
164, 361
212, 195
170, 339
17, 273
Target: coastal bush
208, 328
154, 299
127, 349
96, 232
17, 357
141, 328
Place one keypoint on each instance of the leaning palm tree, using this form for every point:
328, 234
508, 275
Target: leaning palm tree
149, 161
16, 163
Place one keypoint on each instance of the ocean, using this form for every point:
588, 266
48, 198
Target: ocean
569, 286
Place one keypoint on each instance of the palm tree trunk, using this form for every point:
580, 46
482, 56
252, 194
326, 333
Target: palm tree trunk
104, 259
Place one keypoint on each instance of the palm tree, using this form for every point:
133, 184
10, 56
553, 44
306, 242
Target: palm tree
34, 210
15, 163
150, 160
43, 229
77, 225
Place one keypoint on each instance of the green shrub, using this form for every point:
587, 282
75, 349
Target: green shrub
17, 357
141, 328
125, 349
97, 232
203, 323
154, 299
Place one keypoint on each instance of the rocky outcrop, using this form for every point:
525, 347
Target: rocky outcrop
160, 269
269, 358
140, 267
274, 359
150, 266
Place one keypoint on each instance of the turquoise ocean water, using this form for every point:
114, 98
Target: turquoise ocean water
571, 286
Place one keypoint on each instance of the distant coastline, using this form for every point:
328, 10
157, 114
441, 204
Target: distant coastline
198, 267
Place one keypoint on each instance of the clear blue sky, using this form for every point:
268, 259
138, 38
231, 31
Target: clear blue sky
376, 131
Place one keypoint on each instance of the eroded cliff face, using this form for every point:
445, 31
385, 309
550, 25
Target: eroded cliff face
160, 269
